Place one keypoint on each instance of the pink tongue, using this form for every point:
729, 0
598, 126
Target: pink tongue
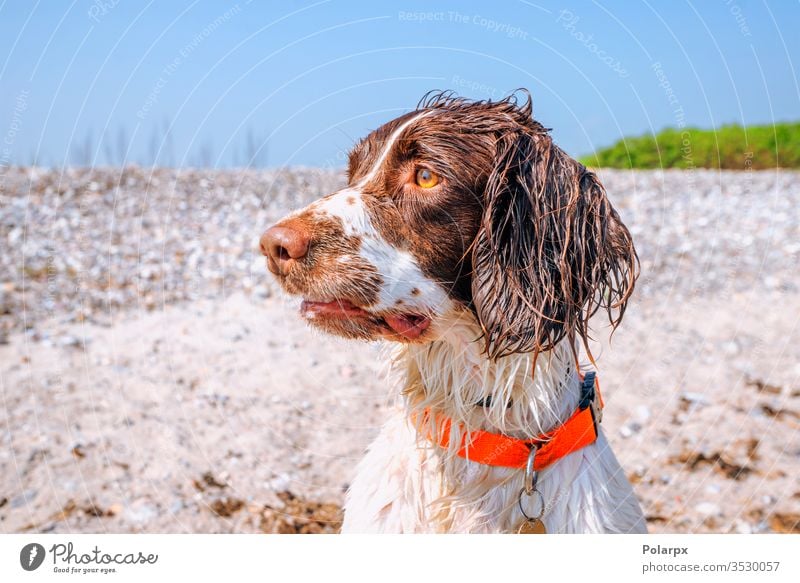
409, 328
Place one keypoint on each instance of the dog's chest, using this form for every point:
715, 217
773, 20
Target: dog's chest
408, 484
404, 485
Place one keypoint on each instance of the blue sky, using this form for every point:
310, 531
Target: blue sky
103, 80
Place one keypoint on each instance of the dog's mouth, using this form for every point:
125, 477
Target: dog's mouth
397, 326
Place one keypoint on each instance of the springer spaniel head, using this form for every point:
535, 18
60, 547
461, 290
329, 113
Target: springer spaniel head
459, 205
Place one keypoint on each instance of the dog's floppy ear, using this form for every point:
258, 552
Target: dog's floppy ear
550, 251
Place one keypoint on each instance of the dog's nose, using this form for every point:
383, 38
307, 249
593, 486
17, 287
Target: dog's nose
282, 246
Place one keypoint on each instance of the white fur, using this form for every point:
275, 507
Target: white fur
407, 484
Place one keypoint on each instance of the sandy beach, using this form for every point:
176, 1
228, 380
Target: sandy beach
154, 379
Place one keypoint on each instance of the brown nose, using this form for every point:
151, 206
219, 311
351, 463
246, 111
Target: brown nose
282, 246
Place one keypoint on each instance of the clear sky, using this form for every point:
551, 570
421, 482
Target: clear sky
295, 83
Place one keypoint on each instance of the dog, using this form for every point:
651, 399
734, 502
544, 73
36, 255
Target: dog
480, 249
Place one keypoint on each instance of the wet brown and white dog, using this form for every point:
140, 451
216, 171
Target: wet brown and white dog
482, 249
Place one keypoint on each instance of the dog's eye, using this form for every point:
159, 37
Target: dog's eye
426, 178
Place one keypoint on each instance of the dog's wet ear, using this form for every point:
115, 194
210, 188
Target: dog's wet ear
550, 251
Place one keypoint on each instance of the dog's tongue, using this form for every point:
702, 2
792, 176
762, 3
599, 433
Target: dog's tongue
409, 327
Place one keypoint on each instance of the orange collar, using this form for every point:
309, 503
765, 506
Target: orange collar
496, 449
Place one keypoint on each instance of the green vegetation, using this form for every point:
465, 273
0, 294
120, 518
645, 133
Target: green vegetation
733, 147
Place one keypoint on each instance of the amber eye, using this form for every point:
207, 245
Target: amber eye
426, 178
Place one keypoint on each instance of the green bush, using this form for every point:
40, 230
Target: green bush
732, 147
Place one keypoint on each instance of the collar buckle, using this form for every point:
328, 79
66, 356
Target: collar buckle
590, 397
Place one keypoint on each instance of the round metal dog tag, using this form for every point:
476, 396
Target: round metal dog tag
532, 526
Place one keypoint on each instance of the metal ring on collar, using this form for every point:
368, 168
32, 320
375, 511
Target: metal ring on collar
522, 510
531, 475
